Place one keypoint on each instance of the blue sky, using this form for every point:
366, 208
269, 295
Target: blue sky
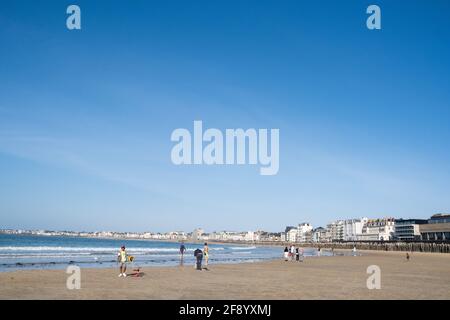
86, 116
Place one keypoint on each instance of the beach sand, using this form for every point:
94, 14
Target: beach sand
425, 276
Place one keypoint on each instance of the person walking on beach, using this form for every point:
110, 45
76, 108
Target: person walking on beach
206, 254
122, 259
182, 250
198, 254
286, 254
297, 255
407, 256
292, 251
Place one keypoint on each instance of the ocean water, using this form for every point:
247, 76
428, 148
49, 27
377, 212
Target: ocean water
47, 252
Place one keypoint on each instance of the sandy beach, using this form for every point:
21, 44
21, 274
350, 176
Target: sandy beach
425, 276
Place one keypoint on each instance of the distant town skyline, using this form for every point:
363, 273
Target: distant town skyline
436, 228
86, 115
209, 231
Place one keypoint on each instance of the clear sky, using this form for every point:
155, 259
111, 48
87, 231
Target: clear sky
86, 115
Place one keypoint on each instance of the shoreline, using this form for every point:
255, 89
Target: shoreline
338, 253
425, 276
386, 246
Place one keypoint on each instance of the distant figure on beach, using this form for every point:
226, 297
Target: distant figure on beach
354, 251
407, 256
122, 260
182, 250
206, 254
286, 254
198, 254
318, 251
292, 253
297, 255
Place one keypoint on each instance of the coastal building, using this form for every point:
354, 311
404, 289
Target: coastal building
270, 236
408, 229
197, 234
304, 232
288, 234
177, 235
251, 236
291, 235
378, 230
217, 235
228, 236
336, 230
352, 228
320, 235
301, 233
437, 228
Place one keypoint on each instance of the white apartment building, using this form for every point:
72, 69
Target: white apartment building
197, 233
320, 235
304, 232
378, 230
301, 233
251, 236
352, 228
336, 230
291, 235
229, 236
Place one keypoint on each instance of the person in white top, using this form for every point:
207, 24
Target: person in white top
122, 259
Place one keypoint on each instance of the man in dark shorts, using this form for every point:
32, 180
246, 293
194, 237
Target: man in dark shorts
198, 254
182, 250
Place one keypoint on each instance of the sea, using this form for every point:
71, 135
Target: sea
19, 252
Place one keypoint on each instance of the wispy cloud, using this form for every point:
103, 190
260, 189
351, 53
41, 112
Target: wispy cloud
73, 155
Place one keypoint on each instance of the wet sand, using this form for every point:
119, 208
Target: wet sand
425, 276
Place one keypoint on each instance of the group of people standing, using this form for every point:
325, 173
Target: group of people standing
199, 255
292, 253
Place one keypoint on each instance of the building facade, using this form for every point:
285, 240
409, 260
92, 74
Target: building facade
304, 232
352, 228
378, 230
437, 228
291, 235
336, 230
408, 229
320, 235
